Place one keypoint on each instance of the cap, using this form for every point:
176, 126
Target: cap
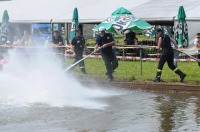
158, 30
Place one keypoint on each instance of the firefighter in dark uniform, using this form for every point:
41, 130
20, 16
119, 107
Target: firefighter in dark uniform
57, 41
78, 45
167, 55
106, 41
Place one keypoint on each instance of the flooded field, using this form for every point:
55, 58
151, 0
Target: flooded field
126, 111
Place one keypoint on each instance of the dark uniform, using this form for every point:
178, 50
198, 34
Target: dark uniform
107, 54
130, 38
56, 41
79, 44
130, 41
167, 55
59, 50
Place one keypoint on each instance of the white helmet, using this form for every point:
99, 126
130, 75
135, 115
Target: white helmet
127, 31
102, 29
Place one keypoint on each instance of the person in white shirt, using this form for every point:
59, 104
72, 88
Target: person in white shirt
197, 44
176, 53
16, 41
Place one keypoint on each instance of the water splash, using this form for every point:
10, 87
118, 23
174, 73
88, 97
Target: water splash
28, 79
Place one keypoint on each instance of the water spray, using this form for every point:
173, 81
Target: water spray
81, 60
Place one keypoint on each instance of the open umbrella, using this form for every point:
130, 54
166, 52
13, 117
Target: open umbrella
181, 30
74, 25
122, 19
4, 27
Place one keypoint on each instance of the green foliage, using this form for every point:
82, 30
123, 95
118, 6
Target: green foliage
131, 71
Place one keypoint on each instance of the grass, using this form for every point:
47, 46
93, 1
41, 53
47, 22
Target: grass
131, 71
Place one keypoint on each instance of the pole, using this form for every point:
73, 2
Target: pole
81, 60
141, 62
51, 29
188, 55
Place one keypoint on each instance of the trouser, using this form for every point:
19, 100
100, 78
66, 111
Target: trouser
176, 55
168, 55
111, 63
79, 56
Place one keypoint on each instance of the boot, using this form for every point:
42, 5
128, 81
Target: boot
181, 74
157, 79
83, 70
110, 79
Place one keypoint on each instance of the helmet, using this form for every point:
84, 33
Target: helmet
102, 29
127, 31
159, 30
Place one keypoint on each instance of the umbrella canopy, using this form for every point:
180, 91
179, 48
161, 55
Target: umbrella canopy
4, 27
121, 20
74, 25
181, 30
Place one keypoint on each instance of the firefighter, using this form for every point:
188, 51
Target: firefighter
78, 45
167, 55
106, 41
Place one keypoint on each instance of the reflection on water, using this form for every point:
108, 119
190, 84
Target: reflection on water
132, 111
178, 111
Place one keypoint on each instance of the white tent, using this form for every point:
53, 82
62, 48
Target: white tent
42, 11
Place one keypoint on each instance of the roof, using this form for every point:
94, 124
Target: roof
43, 11
167, 10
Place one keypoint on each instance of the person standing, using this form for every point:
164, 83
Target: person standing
78, 45
57, 42
26, 40
106, 41
176, 53
197, 44
164, 42
129, 40
16, 41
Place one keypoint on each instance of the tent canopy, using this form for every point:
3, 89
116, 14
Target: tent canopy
42, 11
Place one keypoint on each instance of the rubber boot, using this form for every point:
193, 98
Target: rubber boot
181, 74
157, 78
110, 78
83, 70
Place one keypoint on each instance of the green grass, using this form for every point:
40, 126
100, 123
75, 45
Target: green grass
131, 71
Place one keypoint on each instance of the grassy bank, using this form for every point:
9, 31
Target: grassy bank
131, 71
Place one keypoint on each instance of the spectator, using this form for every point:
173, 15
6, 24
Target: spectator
137, 50
25, 41
129, 40
130, 36
197, 44
16, 41
57, 42
176, 53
